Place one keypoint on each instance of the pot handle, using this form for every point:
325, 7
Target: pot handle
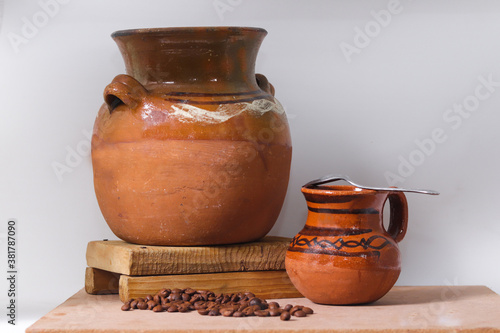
398, 221
264, 84
124, 89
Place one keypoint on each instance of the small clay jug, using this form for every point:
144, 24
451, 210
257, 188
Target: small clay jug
190, 146
344, 255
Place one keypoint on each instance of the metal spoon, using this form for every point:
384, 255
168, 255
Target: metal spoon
332, 178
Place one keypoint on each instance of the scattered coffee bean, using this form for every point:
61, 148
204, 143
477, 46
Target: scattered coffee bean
183, 308
285, 315
142, 305
248, 311
158, 308
307, 310
203, 312
173, 308
295, 309
151, 304
214, 312
227, 312
261, 313
299, 313
238, 314
208, 303
273, 305
274, 312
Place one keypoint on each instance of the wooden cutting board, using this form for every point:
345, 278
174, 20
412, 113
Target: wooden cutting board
404, 309
131, 259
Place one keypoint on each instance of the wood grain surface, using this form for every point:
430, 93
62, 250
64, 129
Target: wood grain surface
404, 309
131, 259
266, 284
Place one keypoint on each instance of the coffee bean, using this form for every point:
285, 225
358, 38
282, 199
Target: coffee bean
307, 310
285, 315
149, 298
173, 308
203, 312
200, 305
261, 313
211, 304
183, 308
151, 304
142, 305
255, 301
126, 307
186, 297
273, 305
164, 293
214, 312
299, 313
288, 307
156, 298
248, 311
238, 314
195, 298
133, 304
295, 309
274, 312
227, 312
158, 308
249, 294
190, 291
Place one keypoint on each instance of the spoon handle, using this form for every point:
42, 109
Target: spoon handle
332, 178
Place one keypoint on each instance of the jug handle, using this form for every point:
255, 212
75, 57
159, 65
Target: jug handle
264, 84
398, 221
124, 89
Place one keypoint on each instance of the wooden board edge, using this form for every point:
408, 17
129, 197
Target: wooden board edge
99, 250
100, 282
126, 258
265, 284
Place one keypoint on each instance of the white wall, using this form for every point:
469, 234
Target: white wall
358, 115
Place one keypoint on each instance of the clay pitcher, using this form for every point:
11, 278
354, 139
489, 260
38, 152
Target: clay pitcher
344, 255
191, 147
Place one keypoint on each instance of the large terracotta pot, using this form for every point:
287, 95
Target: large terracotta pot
191, 147
344, 255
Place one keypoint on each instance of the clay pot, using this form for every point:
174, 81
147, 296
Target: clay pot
344, 255
191, 147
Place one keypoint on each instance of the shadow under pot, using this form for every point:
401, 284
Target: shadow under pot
344, 255
190, 147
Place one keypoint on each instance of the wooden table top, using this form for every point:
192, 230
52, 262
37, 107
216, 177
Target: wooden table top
403, 309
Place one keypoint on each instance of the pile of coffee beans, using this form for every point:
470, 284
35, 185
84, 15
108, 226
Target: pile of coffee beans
211, 304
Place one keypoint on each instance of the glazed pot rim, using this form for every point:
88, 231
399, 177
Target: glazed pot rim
186, 30
337, 190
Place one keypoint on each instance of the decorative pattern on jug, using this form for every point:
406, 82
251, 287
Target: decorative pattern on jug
306, 242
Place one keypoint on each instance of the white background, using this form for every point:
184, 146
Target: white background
359, 115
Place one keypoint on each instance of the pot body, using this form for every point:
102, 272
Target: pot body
191, 147
344, 255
